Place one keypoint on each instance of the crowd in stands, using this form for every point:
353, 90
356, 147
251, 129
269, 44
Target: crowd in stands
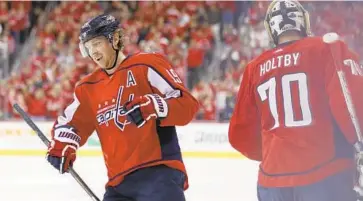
16, 20
209, 44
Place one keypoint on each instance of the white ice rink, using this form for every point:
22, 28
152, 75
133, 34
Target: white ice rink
33, 179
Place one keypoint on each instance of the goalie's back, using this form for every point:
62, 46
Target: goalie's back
305, 124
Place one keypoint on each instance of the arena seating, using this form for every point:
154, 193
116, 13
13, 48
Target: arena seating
209, 44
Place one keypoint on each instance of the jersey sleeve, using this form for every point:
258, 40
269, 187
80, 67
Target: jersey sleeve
344, 84
182, 106
78, 116
244, 128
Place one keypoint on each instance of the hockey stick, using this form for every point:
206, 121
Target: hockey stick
332, 38
45, 140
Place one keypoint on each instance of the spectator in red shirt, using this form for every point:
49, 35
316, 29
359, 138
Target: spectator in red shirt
54, 105
19, 22
206, 96
37, 103
15, 96
4, 12
198, 47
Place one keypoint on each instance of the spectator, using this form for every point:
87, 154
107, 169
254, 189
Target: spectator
55, 104
189, 33
195, 61
37, 104
4, 13
19, 22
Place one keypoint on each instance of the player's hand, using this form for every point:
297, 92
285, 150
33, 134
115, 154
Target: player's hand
62, 149
142, 109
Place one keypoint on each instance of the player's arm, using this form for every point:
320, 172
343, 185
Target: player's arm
244, 128
344, 84
70, 132
170, 103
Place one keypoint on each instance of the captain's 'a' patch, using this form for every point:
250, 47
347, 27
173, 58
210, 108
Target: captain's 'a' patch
130, 79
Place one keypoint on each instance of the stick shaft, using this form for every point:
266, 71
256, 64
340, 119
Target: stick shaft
46, 141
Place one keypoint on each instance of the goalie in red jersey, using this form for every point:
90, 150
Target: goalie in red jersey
299, 111
134, 104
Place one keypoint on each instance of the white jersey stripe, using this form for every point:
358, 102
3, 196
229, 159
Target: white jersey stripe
68, 112
157, 81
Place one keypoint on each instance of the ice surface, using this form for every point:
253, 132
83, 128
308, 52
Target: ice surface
33, 179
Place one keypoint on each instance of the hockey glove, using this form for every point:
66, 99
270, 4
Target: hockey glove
142, 109
62, 149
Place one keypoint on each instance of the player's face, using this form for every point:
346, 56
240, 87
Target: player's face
101, 51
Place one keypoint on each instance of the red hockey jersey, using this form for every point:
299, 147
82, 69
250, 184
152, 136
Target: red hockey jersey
97, 106
292, 115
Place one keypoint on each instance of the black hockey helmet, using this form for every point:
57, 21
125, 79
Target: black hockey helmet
101, 25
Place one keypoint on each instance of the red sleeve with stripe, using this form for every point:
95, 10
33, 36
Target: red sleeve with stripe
344, 84
77, 115
182, 106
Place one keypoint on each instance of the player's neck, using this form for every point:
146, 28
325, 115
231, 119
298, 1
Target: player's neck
121, 57
293, 36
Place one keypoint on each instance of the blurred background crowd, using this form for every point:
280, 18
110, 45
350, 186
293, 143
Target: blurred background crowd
209, 43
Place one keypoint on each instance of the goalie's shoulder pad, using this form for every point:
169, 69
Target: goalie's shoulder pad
331, 37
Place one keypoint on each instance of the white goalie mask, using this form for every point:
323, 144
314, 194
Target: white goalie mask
285, 15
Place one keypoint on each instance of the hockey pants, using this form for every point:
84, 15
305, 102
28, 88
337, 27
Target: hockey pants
157, 183
338, 187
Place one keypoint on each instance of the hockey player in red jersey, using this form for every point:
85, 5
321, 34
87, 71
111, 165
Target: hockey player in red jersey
293, 112
134, 104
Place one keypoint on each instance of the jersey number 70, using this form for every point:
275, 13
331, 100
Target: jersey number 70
268, 90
